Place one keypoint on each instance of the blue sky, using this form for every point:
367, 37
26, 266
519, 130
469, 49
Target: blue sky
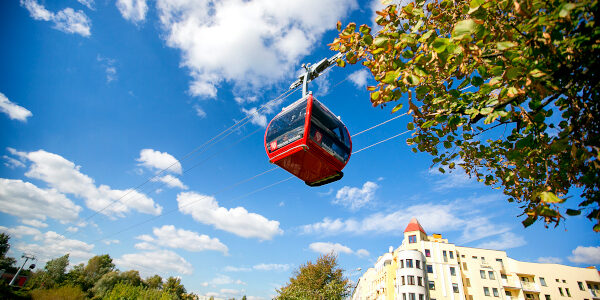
97, 97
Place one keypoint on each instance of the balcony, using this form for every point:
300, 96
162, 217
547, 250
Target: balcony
595, 293
514, 285
530, 286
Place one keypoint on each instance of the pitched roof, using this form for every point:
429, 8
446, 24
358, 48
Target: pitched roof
414, 225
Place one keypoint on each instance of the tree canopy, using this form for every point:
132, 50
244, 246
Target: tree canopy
320, 280
507, 90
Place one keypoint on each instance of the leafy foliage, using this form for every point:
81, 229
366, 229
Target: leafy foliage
508, 90
6, 262
64, 293
127, 291
321, 280
173, 285
110, 279
154, 282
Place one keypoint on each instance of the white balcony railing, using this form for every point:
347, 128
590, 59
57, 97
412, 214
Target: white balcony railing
530, 286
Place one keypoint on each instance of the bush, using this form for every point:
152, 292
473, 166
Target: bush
63, 293
123, 291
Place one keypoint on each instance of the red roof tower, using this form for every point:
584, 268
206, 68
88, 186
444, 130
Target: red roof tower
414, 225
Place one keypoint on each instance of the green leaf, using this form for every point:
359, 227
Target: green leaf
374, 96
536, 73
380, 41
476, 81
390, 77
513, 72
428, 124
439, 44
505, 45
410, 126
442, 170
364, 29
464, 27
426, 36
397, 107
341, 63
527, 222
486, 110
417, 26
573, 212
549, 197
368, 39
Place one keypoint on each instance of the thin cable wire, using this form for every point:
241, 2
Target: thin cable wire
395, 136
373, 127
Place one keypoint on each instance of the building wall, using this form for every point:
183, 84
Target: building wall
452, 272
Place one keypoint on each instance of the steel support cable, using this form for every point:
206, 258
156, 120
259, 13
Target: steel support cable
373, 127
229, 187
382, 141
206, 144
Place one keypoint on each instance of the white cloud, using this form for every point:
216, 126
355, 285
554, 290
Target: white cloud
452, 179
64, 176
133, 10
272, 267
50, 245
256, 117
159, 161
162, 262
237, 269
67, 20
13, 163
586, 255
169, 236
111, 242
72, 229
145, 246
87, 3
355, 198
480, 227
239, 221
222, 280
28, 202
242, 100
253, 43
109, 67
171, 181
14, 111
549, 260
505, 241
326, 248
434, 217
34, 223
199, 111
359, 78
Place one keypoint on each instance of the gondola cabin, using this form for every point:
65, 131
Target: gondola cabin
309, 141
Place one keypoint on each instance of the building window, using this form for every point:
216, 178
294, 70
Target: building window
455, 287
451, 254
429, 269
568, 293
491, 275
482, 273
402, 280
410, 279
474, 257
421, 297
418, 264
431, 285
486, 291
462, 255
564, 281
561, 292
411, 296
467, 282
409, 263
543, 281
580, 284
465, 266
508, 293
529, 296
444, 254
419, 281
495, 291
403, 296
483, 259
427, 253
401, 263
412, 239
557, 280
503, 276
452, 271
547, 297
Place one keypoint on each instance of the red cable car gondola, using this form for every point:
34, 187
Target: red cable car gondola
307, 139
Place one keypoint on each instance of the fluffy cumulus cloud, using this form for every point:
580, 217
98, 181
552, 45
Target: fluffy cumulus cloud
133, 10
87, 3
67, 20
162, 262
359, 78
222, 280
169, 236
158, 161
253, 42
354, 197
326, 247
549, 260
49, 245
14, 111
504, 241
28, 202
239, 221
63, 176
171, 181
586, 255
260, 267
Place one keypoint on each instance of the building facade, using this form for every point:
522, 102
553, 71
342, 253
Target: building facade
430, 268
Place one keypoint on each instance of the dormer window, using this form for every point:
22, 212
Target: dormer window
412, 239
